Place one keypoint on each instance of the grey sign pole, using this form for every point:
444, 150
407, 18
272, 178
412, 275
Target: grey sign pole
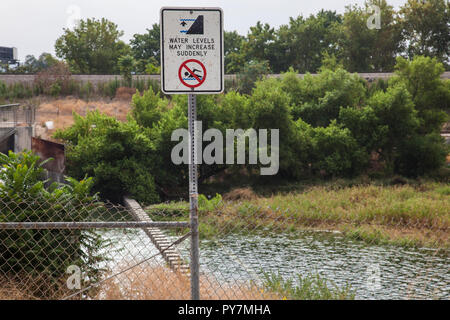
193, 197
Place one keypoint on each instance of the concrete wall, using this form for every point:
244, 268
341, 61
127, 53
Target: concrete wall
22, 139
13, 78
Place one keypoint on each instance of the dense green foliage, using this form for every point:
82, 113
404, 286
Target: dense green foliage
119, 155
93, 47
145, 48
44, 253
417, 28
331, 125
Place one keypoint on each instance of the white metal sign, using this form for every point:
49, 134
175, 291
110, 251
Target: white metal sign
192, 50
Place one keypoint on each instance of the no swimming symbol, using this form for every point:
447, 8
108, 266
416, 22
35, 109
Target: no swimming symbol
192, 73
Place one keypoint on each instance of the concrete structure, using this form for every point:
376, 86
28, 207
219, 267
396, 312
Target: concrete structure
94, 79
22, 139
18, 122
170, 255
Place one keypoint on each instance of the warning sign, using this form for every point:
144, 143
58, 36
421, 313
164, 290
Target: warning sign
192, 50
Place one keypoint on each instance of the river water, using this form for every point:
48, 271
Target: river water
372, 271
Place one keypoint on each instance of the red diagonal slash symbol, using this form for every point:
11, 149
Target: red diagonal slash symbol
192, 73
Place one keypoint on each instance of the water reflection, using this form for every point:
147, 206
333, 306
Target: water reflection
373, 271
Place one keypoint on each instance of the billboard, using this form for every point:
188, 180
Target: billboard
8, 54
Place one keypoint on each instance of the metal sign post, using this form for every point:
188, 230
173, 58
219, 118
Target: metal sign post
193, 197
192, 63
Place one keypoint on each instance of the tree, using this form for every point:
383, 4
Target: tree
126, 67
431, 95
260, 44
152, 67
302, 43
232, 46
94, 47
394, 110
388, 42
146, 48
33, 65
426, 28
365, 50
318, 99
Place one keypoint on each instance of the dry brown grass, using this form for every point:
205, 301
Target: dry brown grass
124, 93
159, 283
10, 291
140, 283
60, 112
240, 194
28, 287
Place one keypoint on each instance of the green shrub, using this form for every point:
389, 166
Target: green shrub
111, 88
139, 84
421, 154
45, 254
318, 99
336, 152
394, 110
430, 94
73, 88
55, 89
148, 108
155, 85
119, 156
150, 68
86, 90
3, 90
365, 127
209, 205
269, 109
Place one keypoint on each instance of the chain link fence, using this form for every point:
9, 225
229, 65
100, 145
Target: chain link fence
70, 249
64, 248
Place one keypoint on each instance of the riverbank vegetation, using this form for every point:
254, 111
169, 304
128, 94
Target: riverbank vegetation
309, 287
334, 125
407, 215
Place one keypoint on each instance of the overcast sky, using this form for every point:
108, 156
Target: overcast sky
33, 26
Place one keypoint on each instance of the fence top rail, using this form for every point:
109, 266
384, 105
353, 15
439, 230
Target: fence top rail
9, 105
92, 225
